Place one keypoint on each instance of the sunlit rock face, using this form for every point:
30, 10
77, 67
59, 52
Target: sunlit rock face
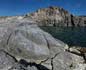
30, 42
51, 16
56, 16
25, 46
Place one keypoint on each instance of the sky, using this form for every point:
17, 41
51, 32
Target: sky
21, 7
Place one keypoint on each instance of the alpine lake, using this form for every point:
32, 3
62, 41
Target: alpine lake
73, 36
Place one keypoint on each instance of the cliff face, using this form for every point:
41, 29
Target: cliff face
55, 16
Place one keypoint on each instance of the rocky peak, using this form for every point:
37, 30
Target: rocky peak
56, 16
50, 16
51, 10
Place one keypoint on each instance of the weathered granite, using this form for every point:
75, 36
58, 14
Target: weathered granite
6, 60
54, 55
29, 42
38, 49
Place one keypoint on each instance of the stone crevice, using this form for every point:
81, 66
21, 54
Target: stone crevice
8, 38
46, 41
9, 55
43, 61
53, 59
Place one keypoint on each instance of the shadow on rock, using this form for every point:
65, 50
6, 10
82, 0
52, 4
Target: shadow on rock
38, 66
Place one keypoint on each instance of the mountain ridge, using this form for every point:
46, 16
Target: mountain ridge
56, 16
50, 16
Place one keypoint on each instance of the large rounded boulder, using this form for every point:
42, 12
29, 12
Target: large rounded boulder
26, 41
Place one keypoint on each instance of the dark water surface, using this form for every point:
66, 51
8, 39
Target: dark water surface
71, 36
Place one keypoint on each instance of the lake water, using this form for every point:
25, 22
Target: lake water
72, 36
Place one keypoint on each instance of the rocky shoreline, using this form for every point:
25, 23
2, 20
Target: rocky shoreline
19, 50
24, 46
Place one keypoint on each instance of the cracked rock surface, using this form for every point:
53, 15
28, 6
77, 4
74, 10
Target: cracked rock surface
6, 60
27, 47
